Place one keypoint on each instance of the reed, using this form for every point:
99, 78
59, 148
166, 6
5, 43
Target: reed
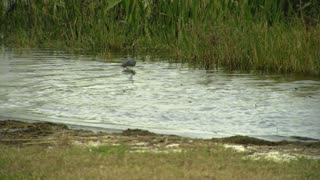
265, 36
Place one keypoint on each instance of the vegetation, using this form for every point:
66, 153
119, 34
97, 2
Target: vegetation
43, 150
265, 36
72, 162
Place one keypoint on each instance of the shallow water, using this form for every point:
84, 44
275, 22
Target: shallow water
164, 98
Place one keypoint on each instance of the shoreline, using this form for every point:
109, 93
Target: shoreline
54, 151
22, 133
114, 128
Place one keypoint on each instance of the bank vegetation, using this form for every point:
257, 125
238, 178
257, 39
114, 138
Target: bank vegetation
281, 36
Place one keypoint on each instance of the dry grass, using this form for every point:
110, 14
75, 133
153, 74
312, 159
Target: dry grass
49, 151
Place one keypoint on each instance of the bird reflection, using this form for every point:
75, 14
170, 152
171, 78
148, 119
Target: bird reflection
131, 72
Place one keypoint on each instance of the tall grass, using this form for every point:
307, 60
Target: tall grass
268, 36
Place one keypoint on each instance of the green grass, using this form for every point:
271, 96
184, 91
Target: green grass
121, 150
71, 162
61, 153
264, 36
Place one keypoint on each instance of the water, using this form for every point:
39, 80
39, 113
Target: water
84, 90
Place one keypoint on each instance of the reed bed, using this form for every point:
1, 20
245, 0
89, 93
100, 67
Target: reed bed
264, 36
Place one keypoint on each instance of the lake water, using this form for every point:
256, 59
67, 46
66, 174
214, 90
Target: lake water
51, 85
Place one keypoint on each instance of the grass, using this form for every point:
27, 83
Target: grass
72, 162
52, 151
263, 36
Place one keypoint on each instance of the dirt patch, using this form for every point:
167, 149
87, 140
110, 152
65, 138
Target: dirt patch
46, 133
16, 132
137, 132
12, 128
244, 140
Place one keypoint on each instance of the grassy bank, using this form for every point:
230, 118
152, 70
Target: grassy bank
37, 162
53, 151
265, 36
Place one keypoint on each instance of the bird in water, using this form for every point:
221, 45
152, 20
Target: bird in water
130, 62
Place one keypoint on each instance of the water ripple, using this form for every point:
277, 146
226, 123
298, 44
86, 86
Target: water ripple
56, 86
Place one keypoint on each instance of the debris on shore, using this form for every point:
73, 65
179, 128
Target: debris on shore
19, 133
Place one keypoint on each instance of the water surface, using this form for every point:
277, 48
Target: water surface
84, 90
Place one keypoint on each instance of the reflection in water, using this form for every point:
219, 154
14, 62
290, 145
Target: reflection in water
131, 73
83, 90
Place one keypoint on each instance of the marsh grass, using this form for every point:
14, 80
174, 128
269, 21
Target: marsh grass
265, 36
34, 162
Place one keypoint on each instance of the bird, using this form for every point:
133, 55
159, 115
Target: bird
130, 62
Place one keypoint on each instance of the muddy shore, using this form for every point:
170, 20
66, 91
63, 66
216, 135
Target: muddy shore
21, 133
